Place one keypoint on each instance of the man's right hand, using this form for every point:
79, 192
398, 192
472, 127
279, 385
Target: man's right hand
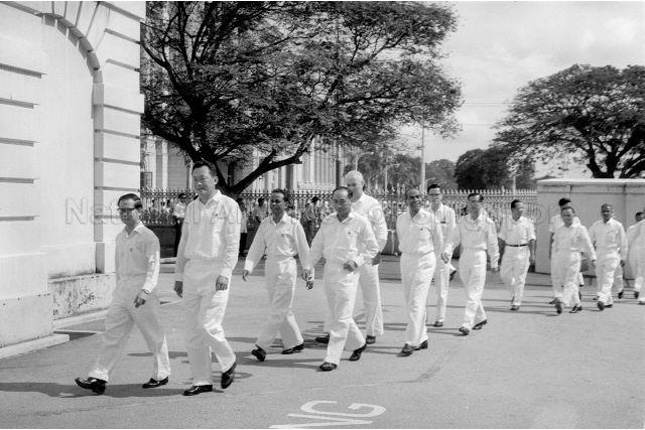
306, 274
179, 288
245, 273
445, 257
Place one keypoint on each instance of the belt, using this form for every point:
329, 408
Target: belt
517, 246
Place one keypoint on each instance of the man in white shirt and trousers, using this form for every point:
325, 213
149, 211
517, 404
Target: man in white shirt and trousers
610, 241
554, 223
477, 235
371, 209
636, 254
420, 238
133, 301
517, 234
282, 238
346, 240
208, 252
446, 218
569, 240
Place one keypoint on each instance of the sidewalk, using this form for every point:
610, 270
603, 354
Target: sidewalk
526, 369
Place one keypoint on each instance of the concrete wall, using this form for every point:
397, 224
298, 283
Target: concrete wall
626, 195
69, 146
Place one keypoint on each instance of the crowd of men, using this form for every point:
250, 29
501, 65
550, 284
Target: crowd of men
350, 240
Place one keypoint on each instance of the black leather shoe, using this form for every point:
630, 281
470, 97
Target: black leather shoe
480, 325
323, 339
260, 354
636, 294
438, 324
296, 348
464, 330
601, 305
228, 376
153, 383
370, 339
327, 367
558, 306
515, 308
609, 306
356, 355
574, 309
96, 385
198, 389
406, 351
596, 297
620, 294
422, 345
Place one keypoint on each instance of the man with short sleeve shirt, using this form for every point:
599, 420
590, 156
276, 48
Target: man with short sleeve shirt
208, 252
610, 241
282, 238
346, 241
518, 236
445, 216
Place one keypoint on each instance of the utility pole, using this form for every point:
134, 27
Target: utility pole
422, 185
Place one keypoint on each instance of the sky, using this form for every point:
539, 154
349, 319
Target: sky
501, 46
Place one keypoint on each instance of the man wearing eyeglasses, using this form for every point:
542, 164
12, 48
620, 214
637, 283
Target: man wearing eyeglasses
133, 301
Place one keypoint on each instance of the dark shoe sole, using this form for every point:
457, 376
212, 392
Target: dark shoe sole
370, 340
155, 384
327, 367
202, 389
259, 355
480, 325
95, 388
356, 355
228, 377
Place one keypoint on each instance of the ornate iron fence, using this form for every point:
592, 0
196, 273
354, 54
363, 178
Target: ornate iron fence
158, 204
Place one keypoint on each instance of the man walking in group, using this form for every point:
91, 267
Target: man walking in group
554, 223
133, 301
420, 238
569, 240
518, 240
282, 238
346, 241
208, 252
610, 241
445, 216
476, 234
636, 254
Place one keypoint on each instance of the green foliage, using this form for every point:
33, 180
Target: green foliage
492, 169
596, 114
228, 80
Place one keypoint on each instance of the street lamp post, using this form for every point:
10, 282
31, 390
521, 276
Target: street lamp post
422, 182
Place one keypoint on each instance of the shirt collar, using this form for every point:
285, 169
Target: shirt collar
284, 219
135, 230
216, 197
350, 217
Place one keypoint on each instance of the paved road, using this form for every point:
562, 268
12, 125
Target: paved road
530, 369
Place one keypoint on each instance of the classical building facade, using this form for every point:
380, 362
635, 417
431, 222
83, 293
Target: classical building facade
70, 110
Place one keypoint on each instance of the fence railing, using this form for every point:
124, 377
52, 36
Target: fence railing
158, 204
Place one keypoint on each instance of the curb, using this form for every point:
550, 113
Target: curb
32, 345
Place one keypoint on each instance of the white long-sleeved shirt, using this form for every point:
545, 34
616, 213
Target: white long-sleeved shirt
211, 232
420, 234
445, 216
285, 239
340, 242
573, 239
371, 209
609, 237
556, 221
137, 258
519, 232
479, 234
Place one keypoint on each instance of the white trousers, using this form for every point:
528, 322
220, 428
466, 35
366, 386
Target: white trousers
416, 273
281, 275
441, 286
637, 263
513, 270
119, 321
204, 309
472, 272
565, 267
606, 270
340, 289
371, 290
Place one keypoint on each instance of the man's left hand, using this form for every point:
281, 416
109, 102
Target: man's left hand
140, 299
222, 283
350, 266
